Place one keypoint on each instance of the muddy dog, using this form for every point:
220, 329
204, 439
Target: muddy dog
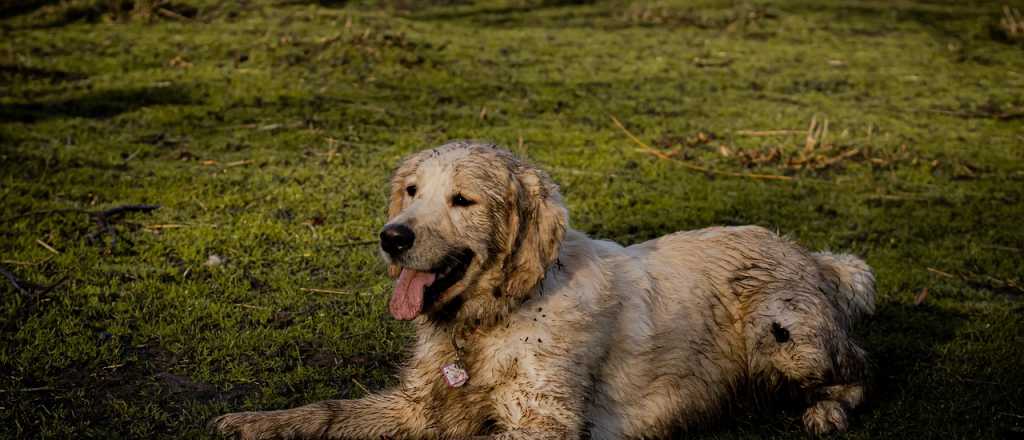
527, 329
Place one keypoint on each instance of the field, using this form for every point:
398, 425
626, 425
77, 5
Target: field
266, 131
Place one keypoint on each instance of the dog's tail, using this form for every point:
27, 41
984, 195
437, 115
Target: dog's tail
854, 281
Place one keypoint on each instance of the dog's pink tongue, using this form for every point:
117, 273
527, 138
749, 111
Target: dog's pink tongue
408, 298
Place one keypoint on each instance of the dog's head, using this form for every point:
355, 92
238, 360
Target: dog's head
468, 223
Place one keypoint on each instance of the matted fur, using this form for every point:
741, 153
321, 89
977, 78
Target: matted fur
567, 337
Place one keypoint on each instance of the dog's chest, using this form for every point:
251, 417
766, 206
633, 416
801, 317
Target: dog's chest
507, 365
513, 351
497, 364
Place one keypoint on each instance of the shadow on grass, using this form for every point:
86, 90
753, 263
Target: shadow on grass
943, 18
10, 9
900, 339
12, 72
395, 4
491, 13
52, 14
103, 104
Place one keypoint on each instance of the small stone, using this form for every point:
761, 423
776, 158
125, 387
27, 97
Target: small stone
214, 260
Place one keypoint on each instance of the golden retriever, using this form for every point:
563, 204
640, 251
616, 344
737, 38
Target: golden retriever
527, 329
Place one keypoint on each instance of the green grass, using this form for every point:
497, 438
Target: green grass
266, 132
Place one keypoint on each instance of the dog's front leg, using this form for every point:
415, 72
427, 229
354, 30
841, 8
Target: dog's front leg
549, 433
528, 415
386, 415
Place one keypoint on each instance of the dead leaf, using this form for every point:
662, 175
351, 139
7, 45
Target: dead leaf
921, 297
179, 62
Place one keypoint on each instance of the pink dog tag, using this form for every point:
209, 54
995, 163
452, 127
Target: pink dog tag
454, 375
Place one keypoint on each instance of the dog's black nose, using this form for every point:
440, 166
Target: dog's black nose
395, 239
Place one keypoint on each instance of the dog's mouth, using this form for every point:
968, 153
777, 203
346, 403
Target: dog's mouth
416, 290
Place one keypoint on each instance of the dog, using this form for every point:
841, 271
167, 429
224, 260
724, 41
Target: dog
528, 329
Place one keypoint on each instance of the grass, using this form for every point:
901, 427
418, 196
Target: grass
266, 132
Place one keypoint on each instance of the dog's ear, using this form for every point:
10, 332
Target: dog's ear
396, 201
539, 223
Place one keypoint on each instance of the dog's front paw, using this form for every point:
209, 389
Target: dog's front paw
824, 417
246, 425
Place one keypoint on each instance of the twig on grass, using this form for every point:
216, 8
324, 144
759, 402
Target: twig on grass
132, 156
14, 281
171, 14
981, 280
159, 226
662, 155
361, 386
985, 382
25, 263
108, 213
311, 289
50, 288
102, 218
47, 247
27, 390
42, 212
759, 133
120, 210
38, 290
1000, 247
357, 243
816, 134
939, 272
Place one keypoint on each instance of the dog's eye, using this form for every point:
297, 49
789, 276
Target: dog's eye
411, 190
458, 200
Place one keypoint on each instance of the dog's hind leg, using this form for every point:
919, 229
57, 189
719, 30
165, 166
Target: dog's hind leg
796, 337
829, 412
836, 389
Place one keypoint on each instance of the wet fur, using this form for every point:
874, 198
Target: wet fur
566, 337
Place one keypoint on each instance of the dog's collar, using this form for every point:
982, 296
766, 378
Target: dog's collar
459, 336
458, 341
